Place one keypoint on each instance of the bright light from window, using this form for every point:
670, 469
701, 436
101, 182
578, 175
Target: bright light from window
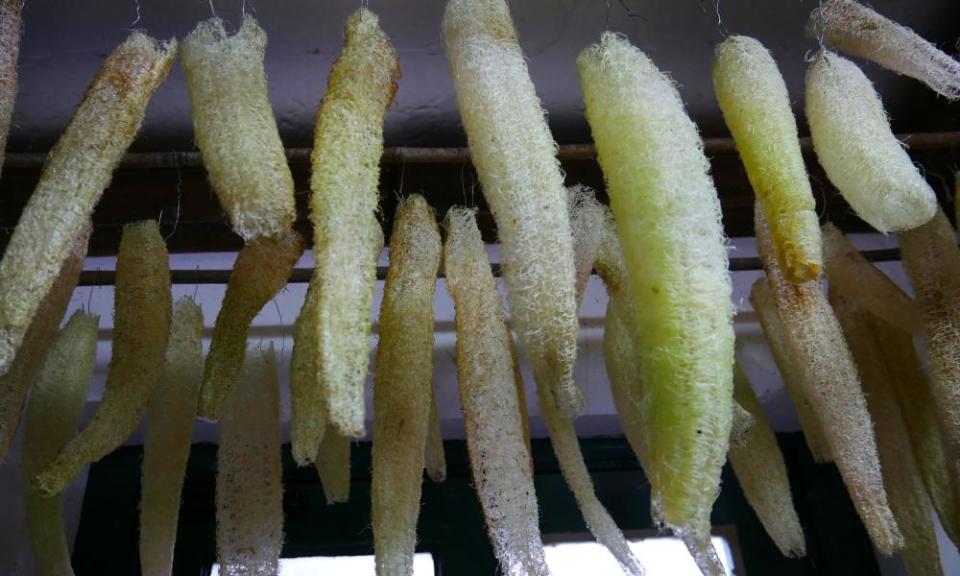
660, 556
342, 566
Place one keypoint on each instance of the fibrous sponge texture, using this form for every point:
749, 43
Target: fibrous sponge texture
756, 106
235, 128
402, 384
141, 324
16, 383
166, 446
77, 171
761, 472
435, 461
308, 403
499, 460
668, 218
587, 221
833, 387
333, 465
348, 142
249, 489
515, 157
10, 11
260, 271
861, 156
854, 28
53, 413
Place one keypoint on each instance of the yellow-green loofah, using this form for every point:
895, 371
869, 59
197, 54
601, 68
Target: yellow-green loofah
308, 404
333, 465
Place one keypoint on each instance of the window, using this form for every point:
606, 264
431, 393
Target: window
342, 566
659, 555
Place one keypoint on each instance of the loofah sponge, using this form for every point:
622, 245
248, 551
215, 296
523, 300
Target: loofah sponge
235, 128
755, 104
333, 465
348, 142
308, 404
861, 156
855, 29
435, 461
166, 446
262, 268
52, 416
140, 329
499, 460
587, 228
668, 218
515, 157
402, 384
901, 475
77, 171
833, 387
249, 489
10, 11
16, 383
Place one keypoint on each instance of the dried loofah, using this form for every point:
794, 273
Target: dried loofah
793, 371
333, 465
346, 155
52, 416
668, 217
515, 157
435, 461
402, 384
901, 475
587, 217
77, 171
140, 329
865, 284
761, 472
16, 383
743, 422
10, 27
169, 430
861, 156
756, 106
249, 489
855, 29
262, 268
832, 385
308, 404
236, 131
499, 460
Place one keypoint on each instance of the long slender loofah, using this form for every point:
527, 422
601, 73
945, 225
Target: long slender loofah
515, 157
53, 414
249, 489
77, 171
262, 268
402, 385
499, 460
833, 387
861, 156
16, 383
756, 106
236, 131
668, 218
166, 446
793, 371
308, 405
901, 475
761, 472
140, 329
348, 142
865, 284
855, 29
10, 27
435, 461
333, 465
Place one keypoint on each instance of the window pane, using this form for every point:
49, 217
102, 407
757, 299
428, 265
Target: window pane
659, 555
342, 566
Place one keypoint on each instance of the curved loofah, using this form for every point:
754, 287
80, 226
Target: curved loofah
758, 464
435, 461
140, 328
249, 489
515, 157
348, 142
77, 171
235, 128
402, 385
166, 445
833, 387
16, 383
865, 284
333, 465
901, 475
755, 104
308, 404
261, 269
52, 416
668, 218
10, 27
861, 156
855, 29
499, 461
